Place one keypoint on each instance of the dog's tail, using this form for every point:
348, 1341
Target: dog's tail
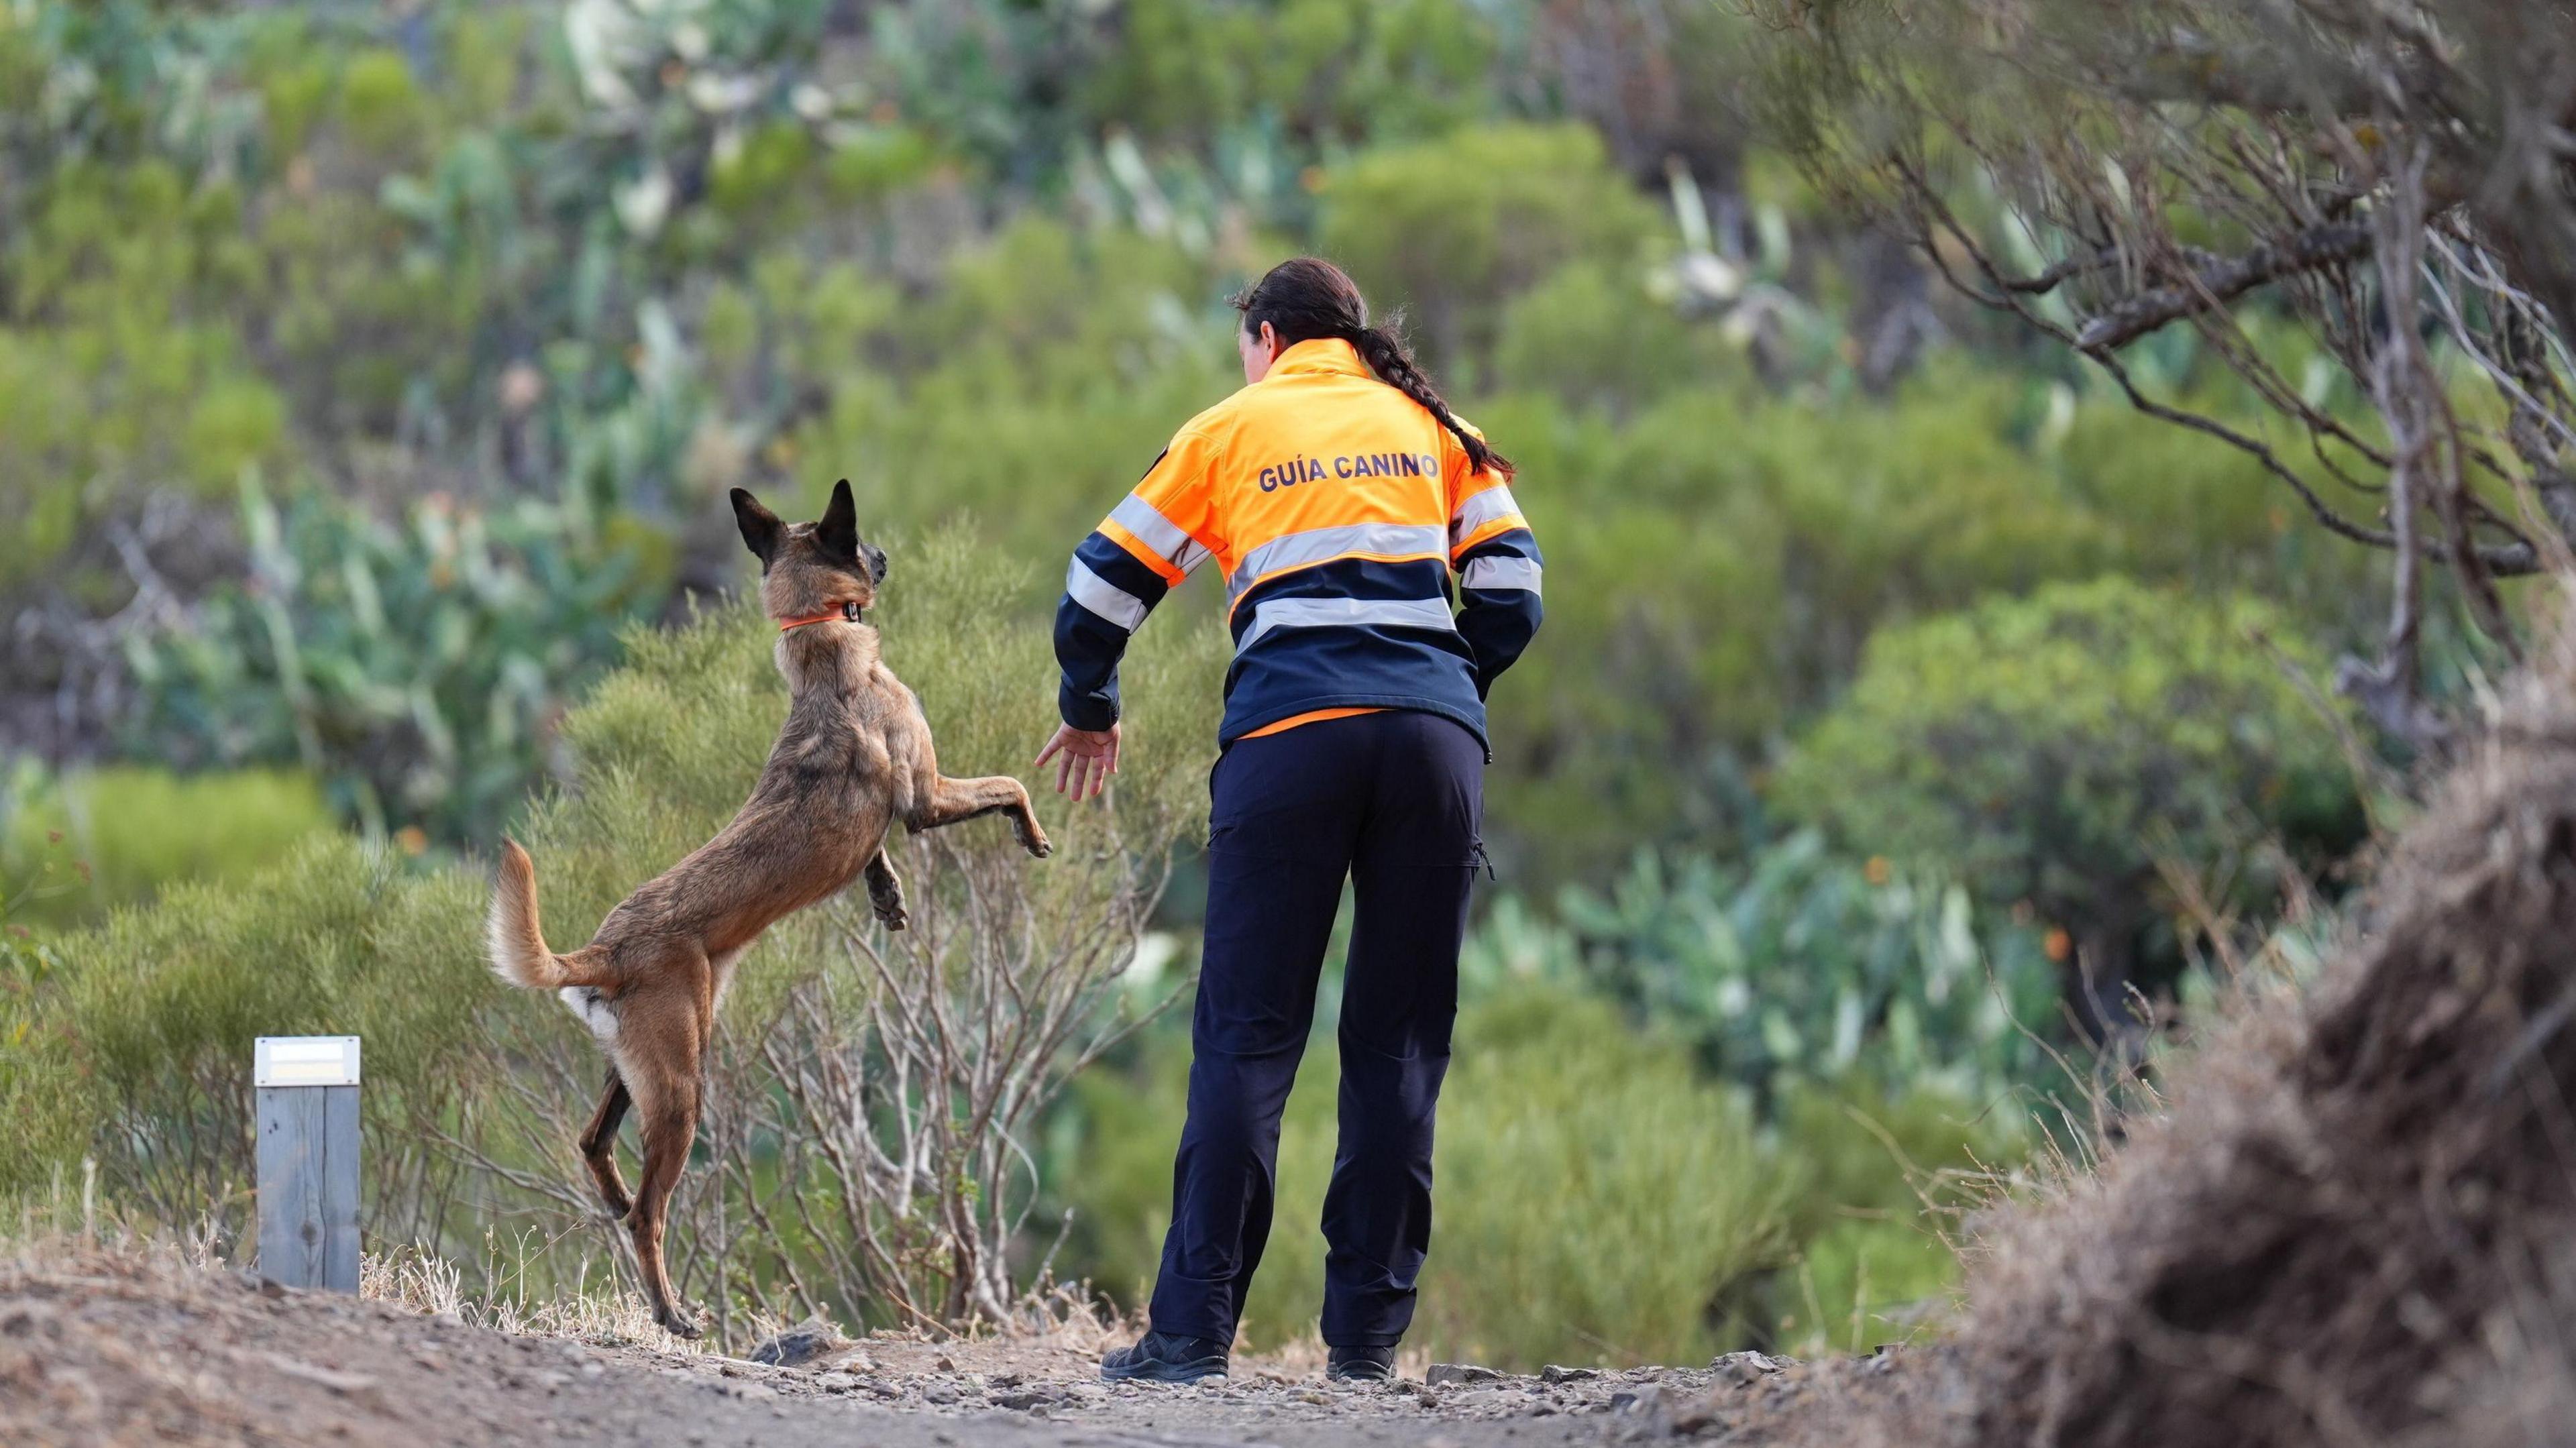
516, 944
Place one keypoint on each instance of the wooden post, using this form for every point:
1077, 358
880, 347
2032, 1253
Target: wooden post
308, 1160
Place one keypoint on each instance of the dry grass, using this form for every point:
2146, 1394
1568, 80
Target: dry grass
72, 1221
598, 1307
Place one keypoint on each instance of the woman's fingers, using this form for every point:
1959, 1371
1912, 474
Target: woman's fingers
1083, 762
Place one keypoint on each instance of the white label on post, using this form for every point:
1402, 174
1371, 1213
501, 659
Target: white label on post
306, 1061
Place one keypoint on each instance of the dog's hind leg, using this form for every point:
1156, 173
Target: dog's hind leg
668, 1132
599, 1146
661, 1059
885, 892
952, 800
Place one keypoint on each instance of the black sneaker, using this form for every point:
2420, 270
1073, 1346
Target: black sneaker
1163, 1357
1359, 1364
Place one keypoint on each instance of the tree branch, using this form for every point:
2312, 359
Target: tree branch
2222, 282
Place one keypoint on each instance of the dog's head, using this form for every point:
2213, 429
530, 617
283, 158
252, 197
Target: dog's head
813, 568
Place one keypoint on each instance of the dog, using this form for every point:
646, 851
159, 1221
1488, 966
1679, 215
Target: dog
854, 757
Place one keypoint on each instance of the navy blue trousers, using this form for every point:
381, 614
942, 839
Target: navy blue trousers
1393, 802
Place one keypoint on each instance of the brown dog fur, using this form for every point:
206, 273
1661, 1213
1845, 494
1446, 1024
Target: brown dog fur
854, 757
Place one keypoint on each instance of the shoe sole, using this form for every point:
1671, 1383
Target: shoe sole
1386, 1377
1161, 1372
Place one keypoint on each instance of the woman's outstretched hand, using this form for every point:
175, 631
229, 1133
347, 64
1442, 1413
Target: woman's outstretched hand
1085, 758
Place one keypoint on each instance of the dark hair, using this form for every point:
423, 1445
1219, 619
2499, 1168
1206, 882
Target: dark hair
1307, 297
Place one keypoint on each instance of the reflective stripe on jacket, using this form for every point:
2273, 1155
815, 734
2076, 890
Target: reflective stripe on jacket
1336, 509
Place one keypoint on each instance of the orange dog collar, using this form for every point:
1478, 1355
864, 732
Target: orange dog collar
848, 612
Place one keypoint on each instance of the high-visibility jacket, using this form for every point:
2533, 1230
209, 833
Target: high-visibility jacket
1336, 508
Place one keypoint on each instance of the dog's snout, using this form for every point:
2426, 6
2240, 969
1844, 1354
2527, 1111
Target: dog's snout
876, 564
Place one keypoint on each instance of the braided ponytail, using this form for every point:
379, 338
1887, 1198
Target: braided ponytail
1307, 297
1382, 347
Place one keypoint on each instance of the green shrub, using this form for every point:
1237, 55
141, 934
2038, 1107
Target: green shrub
2055, 749
130, 831
2184, 510
140, 1045
1862, 1281
873, 164
379, 102
1328, 70
1881, 1178
234, 423
771, 164
117, 371
1591, 336
1453, 227
1555, 1090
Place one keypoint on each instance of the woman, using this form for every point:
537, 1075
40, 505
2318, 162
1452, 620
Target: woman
1336, 492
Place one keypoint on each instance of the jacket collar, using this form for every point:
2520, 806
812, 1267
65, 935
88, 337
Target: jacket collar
1324, 355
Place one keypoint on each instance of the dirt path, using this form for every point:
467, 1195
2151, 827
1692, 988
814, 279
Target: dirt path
104, 1349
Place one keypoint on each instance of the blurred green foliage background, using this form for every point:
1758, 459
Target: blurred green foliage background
371, 376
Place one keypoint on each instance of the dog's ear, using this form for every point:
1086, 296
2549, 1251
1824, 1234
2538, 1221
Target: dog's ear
838, 529
761, 529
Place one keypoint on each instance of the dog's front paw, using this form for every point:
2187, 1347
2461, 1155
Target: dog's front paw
1037, 844
678, 1325
890, 914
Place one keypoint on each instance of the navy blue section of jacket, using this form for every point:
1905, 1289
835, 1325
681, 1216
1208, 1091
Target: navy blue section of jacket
1087, 646
1293, 671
